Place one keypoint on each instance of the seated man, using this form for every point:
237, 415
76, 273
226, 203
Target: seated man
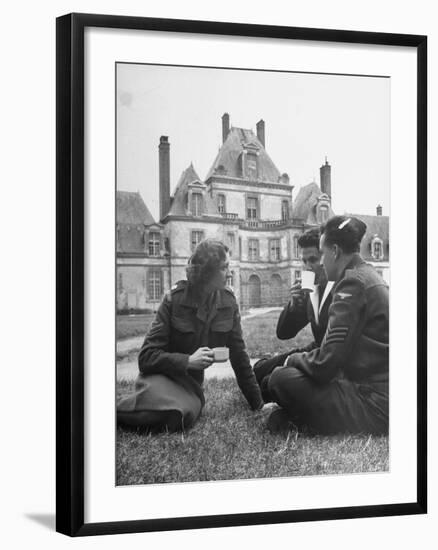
303, 308
341, 385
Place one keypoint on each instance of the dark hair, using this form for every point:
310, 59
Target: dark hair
345, 231
310, 238
206, 261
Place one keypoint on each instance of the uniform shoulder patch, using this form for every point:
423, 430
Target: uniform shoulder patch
343, 295
179, 285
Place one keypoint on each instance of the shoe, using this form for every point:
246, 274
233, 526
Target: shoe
280, 423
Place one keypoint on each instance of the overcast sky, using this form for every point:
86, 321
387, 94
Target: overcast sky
307, 117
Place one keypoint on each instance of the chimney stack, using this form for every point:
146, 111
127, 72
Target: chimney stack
379, 210
164, 175
261, 131
326, 178
225, 126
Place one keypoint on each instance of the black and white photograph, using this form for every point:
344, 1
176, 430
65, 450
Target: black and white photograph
252, 272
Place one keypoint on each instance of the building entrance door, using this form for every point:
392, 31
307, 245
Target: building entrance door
254, 297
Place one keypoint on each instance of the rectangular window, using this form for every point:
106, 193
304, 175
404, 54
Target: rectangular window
154, 285
231, 242
196, 238
221, 204
285, 210
253, 249
295, 246
252, 208
154, 244
297, 275
196, 204
274, 250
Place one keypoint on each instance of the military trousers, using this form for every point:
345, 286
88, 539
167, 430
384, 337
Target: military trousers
159, 403
341, 406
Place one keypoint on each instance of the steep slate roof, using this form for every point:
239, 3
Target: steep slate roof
131, 209
376, 225
304, 206
179, 200
230, 151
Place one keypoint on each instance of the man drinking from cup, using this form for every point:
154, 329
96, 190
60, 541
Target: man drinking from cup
309, 302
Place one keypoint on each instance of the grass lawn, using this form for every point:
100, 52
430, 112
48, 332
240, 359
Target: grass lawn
231, 442
129, 326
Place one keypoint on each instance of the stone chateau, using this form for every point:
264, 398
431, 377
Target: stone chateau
244, 201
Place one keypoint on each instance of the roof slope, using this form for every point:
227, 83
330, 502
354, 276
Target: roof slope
376, 226
232, 148
179, 201
305, 204
131, 209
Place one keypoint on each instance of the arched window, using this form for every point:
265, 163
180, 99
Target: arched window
230, 280
221, 204
254, 294
196, 204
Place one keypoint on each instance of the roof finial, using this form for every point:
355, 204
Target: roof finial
326, 159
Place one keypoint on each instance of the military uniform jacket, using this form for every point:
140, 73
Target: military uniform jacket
181, 326
296, 315
356, 344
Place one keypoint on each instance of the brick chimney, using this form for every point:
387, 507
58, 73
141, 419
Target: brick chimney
261, 131
164, 175
326, 178
379, 210
225, 126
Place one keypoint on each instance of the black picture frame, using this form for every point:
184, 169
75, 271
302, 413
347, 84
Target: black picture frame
70, 272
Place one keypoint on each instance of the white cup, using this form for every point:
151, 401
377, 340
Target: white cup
308, 280
221, 355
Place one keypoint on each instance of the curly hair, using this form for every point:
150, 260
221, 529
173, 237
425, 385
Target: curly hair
206, 262
309, 238
345, 231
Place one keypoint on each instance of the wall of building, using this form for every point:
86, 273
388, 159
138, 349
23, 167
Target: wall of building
133, 289
270, 200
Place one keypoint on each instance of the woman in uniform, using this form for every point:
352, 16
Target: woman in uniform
342, 385
195, 316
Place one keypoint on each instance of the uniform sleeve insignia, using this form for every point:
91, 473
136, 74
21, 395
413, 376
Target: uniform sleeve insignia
343, 295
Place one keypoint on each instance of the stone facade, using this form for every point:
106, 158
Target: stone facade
245, 202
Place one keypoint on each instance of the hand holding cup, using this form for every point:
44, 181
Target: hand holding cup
201, 359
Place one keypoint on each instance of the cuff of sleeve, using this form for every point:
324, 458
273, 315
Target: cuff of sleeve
181, 361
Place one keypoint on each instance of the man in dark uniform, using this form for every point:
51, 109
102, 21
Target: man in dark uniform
341, 385
303, 308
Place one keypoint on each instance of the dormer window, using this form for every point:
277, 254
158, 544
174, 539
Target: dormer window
196, 204
154, 243
323, 214
377, 248
251, 166
221, 204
